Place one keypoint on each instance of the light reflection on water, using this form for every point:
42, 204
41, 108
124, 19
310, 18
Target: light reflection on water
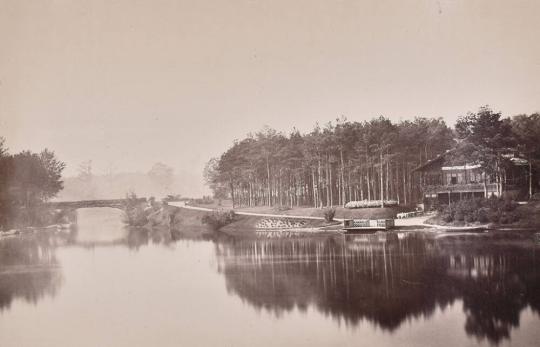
138, 288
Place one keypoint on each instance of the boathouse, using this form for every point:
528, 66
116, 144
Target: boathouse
443, 180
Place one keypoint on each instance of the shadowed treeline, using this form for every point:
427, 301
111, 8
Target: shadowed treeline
387, 282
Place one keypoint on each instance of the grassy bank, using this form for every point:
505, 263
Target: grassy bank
247, 224
341, 213
241, 224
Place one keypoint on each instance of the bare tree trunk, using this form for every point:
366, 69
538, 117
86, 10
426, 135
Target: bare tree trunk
485, 185
349, 186
339, 184
319, 184
250, 194
314, 187
280, 189
342, 200
530, 179
330, 185
396, 182
268, 178
361, 186
368, 179
405, 183
387, 180
231, 185
381, 180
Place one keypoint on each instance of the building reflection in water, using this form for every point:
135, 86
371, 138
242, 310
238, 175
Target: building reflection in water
387, 280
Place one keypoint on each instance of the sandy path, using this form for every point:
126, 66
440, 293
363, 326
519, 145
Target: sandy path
183, 205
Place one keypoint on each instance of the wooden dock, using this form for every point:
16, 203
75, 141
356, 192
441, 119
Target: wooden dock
367, 225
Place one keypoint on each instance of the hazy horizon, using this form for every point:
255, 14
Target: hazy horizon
127, 84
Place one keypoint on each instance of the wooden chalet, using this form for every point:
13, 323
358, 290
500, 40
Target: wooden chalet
445, 181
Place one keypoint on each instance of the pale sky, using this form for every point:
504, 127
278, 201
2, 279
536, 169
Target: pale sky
129, 83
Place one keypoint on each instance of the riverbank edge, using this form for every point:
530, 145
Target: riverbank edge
406, 224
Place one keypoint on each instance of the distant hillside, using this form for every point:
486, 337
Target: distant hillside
116, 186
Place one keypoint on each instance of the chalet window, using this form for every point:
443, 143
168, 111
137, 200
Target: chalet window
452, 178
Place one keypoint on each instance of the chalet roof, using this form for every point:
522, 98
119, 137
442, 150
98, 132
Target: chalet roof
437, 160
440, 160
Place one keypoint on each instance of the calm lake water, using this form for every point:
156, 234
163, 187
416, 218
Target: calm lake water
105, 285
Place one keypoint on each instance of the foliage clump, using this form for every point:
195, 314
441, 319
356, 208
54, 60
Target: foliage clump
481, 210
206, 200
136, 212
172, 197
151, 213
282, 208
218, 219
329, 214
27, 180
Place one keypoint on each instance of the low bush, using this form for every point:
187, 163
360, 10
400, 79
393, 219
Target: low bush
447, 217
329, 214
493, 210
206, 200
459, 216
370, 203
493, 216
135, 212
281, 208
508, 217
482, 215
172, 197
136, 216
535, 197
218, 219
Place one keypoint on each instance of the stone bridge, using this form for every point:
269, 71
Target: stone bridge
73, 205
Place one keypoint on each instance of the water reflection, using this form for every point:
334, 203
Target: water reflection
387, 281
104, 226
28, 269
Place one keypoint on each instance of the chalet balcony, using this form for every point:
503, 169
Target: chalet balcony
459, 188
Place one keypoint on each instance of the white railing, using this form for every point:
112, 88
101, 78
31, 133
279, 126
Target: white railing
469, 187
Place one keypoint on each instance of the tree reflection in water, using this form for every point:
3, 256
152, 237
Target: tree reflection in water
28, 269
387, 281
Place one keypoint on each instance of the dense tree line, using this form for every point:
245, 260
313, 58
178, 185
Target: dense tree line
370, 160
26, 180
490, 140
330, 165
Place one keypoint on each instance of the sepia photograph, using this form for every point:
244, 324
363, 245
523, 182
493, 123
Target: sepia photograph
269, 173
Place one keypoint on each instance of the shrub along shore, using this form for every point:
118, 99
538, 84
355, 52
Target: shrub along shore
495, 212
